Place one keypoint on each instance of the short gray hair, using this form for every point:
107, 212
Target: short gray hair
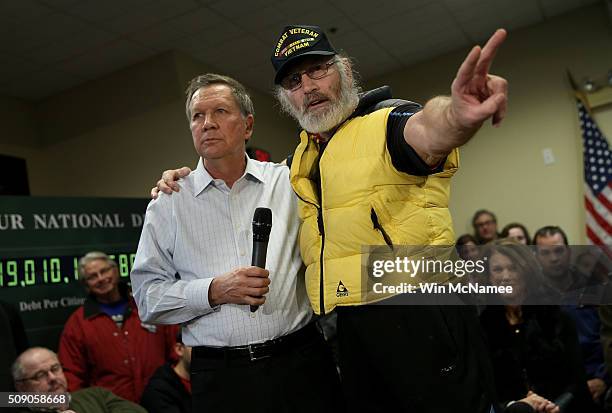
238, 91
93, 256
17, 370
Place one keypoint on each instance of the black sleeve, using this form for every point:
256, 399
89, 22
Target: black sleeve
403, 157
577, 376
156, 399
17, 329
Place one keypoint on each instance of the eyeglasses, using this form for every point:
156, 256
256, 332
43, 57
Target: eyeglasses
93, 275
484, 223
43, 374
294, 80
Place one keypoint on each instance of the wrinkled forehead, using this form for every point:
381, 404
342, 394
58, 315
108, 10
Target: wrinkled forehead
306, 61
550, 240
38, 360
96, 265
213, 94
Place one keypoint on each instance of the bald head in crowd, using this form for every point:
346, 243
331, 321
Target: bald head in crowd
39, 370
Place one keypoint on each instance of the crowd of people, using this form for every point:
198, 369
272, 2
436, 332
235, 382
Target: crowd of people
108, 359
549, 341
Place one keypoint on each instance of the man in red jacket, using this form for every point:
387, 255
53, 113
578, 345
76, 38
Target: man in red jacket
104, 342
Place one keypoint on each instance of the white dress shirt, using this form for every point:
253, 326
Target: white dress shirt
205, 230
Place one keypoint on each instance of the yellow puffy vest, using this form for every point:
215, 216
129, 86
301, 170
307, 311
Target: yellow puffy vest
360, 185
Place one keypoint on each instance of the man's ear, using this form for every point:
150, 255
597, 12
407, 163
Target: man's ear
249, 122
347, 67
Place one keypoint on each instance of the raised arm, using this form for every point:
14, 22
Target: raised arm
449, 122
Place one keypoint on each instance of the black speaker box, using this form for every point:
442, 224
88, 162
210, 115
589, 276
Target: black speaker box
13, 176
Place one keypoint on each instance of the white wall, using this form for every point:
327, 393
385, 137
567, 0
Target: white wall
502, 169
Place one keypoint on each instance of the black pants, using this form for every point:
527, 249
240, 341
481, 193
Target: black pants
303, 379
417, 359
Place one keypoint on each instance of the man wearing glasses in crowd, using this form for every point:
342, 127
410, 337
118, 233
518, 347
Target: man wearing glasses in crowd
37, 370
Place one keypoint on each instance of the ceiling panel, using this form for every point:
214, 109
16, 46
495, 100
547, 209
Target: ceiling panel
235, 9
105, 60
81, 39
41, 31
131, 21
365, 12
91, 11
555, 7
70, 47
13, 13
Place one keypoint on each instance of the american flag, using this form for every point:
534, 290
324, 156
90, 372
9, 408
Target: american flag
597, 174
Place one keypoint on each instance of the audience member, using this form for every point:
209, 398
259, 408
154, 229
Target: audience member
516, 231
104, 342
554, 256
485, 226
169, 390
467, 247
39, 370
534, 349
605, 317
13, 342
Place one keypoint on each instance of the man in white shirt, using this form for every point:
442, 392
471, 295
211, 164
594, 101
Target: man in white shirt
193, 267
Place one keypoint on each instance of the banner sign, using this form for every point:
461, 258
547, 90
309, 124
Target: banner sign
41, 241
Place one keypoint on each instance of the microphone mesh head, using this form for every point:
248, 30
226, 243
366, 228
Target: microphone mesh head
262, 222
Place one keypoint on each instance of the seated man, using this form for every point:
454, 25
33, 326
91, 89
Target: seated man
554, 256
39, 370
104, 342
169, 390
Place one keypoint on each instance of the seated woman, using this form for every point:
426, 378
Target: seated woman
518, 232
534, 348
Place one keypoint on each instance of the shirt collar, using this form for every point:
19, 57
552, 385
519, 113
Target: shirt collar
202, 178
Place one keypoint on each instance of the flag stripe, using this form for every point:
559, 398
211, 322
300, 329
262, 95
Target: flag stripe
593, 237
597, 230
605, 225
603, 198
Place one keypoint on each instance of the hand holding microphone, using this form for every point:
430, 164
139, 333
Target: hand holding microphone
247, 285
262, 225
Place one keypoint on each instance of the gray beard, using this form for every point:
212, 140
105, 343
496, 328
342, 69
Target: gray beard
327, 120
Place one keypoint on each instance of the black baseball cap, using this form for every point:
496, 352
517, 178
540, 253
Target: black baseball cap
297, 41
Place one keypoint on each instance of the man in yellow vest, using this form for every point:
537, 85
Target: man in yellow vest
371, 172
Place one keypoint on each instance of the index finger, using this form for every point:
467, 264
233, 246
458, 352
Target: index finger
467, 69
257, 272
489, 51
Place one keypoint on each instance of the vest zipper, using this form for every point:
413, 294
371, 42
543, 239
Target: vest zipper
379, 227
322, 232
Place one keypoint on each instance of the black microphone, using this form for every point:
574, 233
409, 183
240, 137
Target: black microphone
262, 225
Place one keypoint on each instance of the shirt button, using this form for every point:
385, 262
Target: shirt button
125, 332
126, 361
242, 253
115, 334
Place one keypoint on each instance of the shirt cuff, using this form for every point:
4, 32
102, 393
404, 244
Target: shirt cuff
197, 295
